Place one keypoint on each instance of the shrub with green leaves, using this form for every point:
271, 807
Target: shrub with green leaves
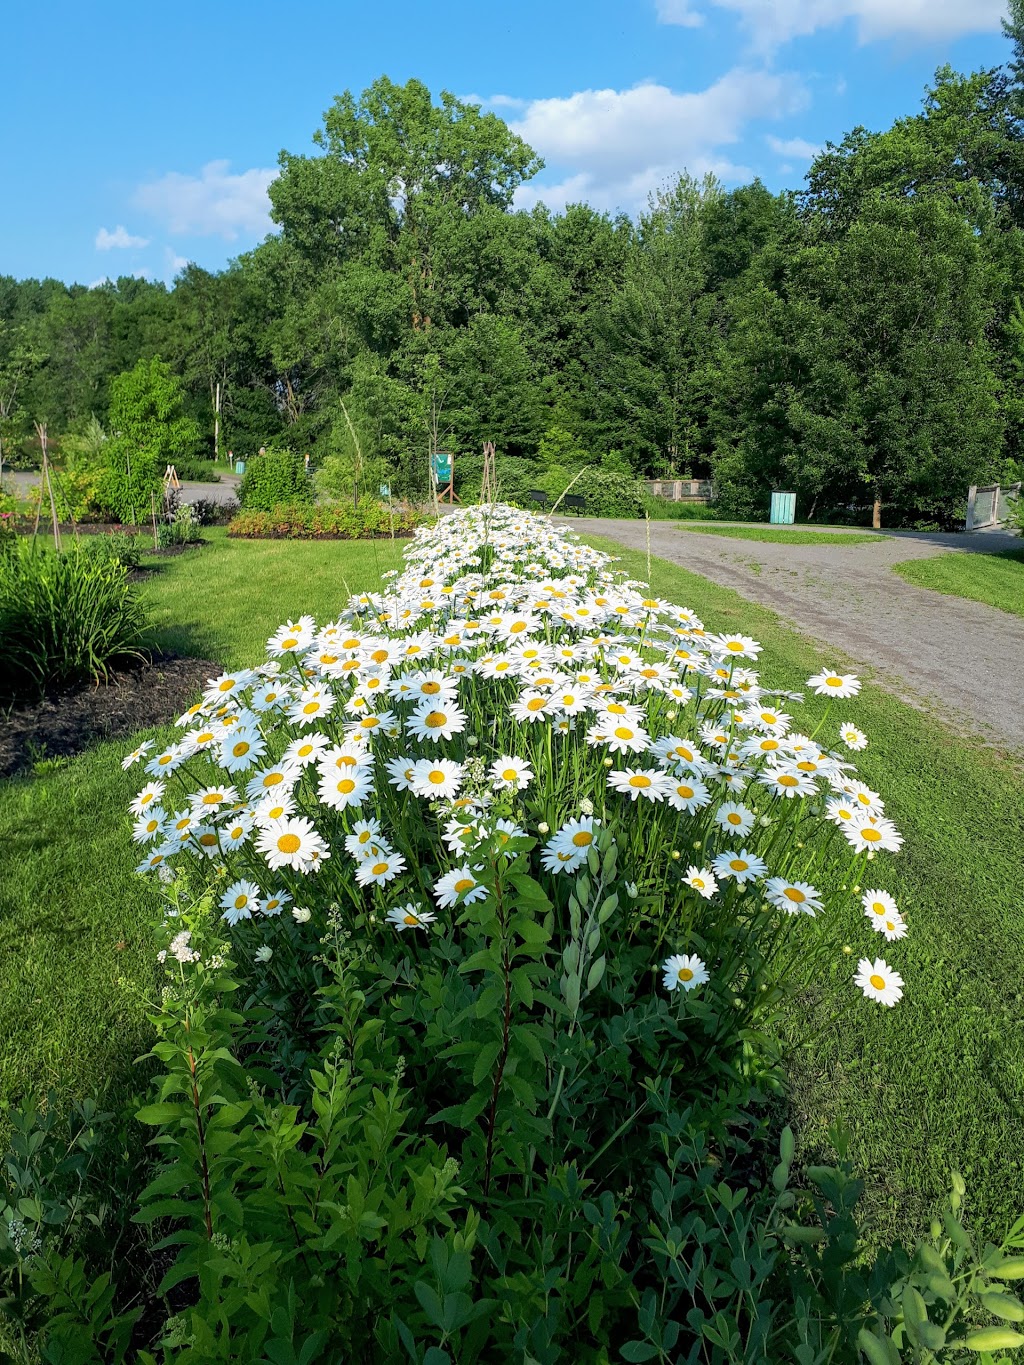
65, 617
273, 479
371, 519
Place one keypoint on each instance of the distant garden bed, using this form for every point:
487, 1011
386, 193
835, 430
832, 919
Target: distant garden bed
369, 520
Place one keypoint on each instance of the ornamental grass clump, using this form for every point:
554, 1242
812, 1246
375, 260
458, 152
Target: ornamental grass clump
66, 617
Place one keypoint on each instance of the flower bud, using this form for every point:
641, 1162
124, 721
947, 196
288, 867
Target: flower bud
300, 914
543, 827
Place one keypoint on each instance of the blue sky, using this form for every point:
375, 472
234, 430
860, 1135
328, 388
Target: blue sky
137, 138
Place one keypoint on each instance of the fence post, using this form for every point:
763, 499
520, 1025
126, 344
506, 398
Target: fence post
972, 498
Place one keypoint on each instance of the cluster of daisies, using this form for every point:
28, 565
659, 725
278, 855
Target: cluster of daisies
506, 671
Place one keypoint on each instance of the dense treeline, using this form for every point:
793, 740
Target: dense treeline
861, 341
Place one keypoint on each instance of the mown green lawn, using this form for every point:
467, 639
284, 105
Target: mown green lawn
996, 579
936, 1084
783, 535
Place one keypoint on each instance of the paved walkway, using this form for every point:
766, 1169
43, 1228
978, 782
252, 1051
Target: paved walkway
962, 659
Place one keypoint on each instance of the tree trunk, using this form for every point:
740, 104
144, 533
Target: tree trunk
876, 514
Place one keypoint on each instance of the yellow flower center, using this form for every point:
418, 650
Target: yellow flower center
833, 682
870, 836
346, 785
290, 643
311, 708
639, 781
164, 759
877, 981
582, 838
227, 685
684, 791
464, 884
370, 722
241, 902
685, 974
535, 704
738, 865
208, 840
788, 780
435, 720
289, 843
794, 894
735, 646
509, 775
379, 869
623, 732
241, 748
430, 688
436, 776
734, 819
410, 920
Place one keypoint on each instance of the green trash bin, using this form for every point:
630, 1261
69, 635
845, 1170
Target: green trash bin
783, 511
239, 466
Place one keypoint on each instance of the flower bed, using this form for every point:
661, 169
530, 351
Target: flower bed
505, 873
370, 520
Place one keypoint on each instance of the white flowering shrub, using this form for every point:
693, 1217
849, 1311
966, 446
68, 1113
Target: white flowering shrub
508, 697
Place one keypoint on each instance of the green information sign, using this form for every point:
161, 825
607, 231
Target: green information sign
441, 466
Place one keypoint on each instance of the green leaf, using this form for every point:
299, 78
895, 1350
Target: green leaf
1010, 1269
596, 973
156, 1114
639, 1350
486, 1058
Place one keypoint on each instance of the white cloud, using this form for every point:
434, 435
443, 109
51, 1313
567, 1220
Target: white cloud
618, 145
120, 237
678, 12
213, 203
173, 263
796, 147
772, 22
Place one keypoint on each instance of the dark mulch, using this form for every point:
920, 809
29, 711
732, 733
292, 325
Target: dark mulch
135, 699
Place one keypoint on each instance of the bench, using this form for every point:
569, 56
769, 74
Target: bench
573, 502
538, 498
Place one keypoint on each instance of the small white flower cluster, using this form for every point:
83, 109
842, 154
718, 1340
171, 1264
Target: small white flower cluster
507, 658
179, 949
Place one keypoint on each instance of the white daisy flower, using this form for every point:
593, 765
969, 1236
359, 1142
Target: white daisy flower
879, 982
436, 720
508, 772
436, 777
167, 760
683, 970
853, 738
136, 754
702, 879
275, 781
879, 906
240, 901
235, 830
306, 750
378, 870
743, 866
873, 835
734, 819
149, 825
291, 842
829, 683
292, 638
240, 749
634, 782
458, 887
787, 782
410, 916
312, 704
149, 796
687, 793
365, 834
275, 806
340, 789
793, 897
209, 800
275, 903
735, 646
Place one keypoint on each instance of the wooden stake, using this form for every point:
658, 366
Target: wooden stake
152, 508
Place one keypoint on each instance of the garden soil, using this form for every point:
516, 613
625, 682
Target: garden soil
135, 699
960, 659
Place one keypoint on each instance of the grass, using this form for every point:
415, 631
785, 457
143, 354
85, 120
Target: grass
935, 1084
996, 579
782, 535
938, 1083
223, 600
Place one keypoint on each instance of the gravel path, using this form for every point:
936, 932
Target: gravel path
962, 659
